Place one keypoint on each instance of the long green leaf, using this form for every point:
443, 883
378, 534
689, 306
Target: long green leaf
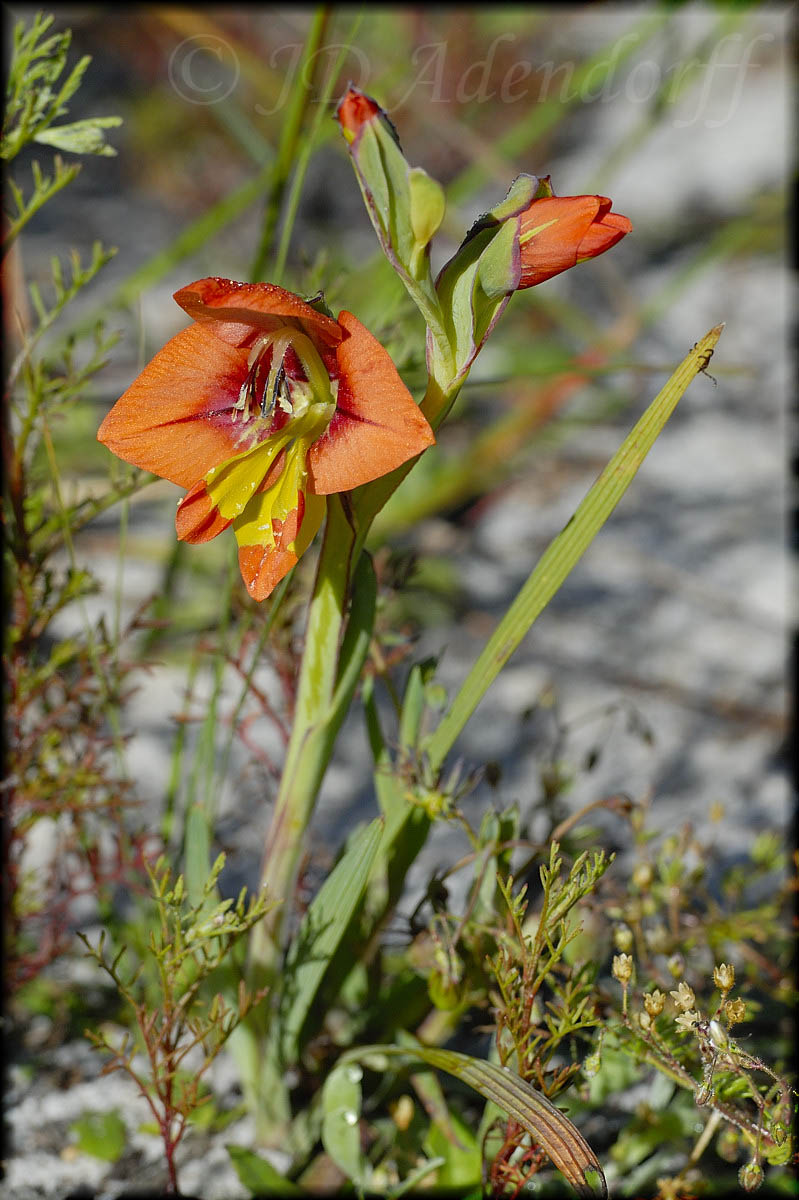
322, 929
566, 549
550, 1128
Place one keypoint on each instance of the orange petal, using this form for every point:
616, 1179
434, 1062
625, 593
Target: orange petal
198, 519
262, 569
603, 234
236, 309
377, 425
554, 248
165, 421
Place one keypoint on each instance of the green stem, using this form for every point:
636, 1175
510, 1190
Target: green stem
289, 142
309, 746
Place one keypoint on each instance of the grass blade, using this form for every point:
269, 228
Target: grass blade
550, 1128
566, 549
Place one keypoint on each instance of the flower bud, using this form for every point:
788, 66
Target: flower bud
643, 875
623, 938
557, 232
676, 965
750, 1176
355, 111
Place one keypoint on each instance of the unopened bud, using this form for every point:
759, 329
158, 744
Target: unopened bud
676, 965
750, 1176
643, 876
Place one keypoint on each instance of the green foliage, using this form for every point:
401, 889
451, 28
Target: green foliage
63, 694
681, 1000
258, 1174
186, 1031
36, 96
532, 953
101, 1134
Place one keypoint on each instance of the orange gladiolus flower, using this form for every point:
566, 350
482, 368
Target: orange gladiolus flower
261, 408
557, 232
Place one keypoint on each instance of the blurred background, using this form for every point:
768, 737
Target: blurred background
662, 662
659, 671
674, 624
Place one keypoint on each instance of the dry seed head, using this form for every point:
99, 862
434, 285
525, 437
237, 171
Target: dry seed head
622, 968
734, 1011
654, 1002
683, 997
724, 977
669, 1188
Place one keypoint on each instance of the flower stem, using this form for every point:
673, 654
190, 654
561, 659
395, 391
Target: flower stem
310, 743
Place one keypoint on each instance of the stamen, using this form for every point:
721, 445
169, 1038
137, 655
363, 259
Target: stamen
279, 393
269, 387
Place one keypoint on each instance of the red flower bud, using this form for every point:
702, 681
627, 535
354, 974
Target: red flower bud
556, 232
354, 111
357, 110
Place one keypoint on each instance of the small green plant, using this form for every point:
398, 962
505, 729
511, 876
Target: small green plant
539, 999
67, 775
36, 96
681, 1000
183, 1032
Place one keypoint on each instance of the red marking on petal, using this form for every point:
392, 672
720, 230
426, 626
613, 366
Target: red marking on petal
262, 567
377, 425
174, 418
